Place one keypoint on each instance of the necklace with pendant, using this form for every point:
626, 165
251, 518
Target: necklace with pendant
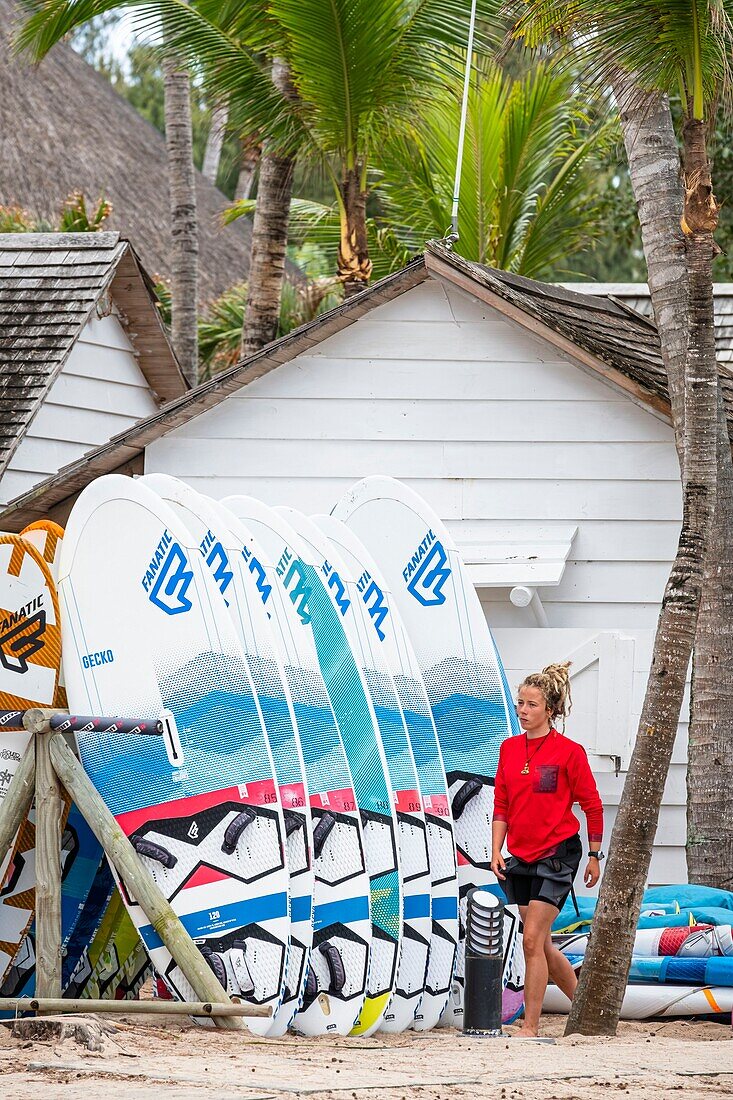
525, 769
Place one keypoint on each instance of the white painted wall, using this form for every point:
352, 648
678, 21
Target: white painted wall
100, 392
494, 428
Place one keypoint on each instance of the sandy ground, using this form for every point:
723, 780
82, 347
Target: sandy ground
168, 1057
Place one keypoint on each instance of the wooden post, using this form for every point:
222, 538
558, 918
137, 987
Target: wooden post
49, 813
138, 882
18, 798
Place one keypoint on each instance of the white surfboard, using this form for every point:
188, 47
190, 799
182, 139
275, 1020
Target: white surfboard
412, 831
224, 554
462, 671
390, 639
327, 602
339, 960
147, 634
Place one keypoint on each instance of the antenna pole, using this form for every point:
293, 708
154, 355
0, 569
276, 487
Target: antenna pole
454, 235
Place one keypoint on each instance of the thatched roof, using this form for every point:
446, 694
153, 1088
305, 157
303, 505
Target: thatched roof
50, 285
63, 128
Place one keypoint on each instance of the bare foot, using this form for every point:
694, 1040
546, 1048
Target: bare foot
526, 1032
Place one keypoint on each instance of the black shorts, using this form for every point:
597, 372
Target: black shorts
549, 879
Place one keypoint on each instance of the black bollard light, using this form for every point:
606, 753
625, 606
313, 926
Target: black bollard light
484, 964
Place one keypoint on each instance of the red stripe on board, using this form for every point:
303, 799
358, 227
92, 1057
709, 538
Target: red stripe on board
203, 875
407, 801
342, 800
437, 805
462, 861
261, 793
292, 796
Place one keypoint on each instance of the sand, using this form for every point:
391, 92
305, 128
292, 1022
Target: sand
169, 1057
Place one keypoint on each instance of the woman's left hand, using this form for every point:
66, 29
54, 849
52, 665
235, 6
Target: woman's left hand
592, 873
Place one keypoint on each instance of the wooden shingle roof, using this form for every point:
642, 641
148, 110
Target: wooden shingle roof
50, 284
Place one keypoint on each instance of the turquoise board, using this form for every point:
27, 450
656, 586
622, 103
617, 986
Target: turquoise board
388, 633
342, 935
325, 599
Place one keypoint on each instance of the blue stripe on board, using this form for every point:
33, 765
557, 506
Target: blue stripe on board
341, 912
417, 905
300, 908
236, 915
445, 908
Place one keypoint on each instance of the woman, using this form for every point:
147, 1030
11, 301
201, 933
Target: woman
541, 774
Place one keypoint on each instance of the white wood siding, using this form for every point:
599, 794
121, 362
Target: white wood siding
100, 392
493, 427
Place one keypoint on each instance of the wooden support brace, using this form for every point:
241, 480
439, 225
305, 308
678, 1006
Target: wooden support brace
49, 813
137, 880
19, 795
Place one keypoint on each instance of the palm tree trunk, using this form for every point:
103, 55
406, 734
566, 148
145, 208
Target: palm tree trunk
710, 748
215, 142
693, 383
184, 229
251, 153
269, 244
269, 239
354, 265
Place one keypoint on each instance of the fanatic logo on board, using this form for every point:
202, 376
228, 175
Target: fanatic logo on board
427, 571
21, 642
168, 577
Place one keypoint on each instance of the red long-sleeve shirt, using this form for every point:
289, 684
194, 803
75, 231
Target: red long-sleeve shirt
538, 807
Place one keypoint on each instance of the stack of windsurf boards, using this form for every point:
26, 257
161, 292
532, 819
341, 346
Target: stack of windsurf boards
331, 703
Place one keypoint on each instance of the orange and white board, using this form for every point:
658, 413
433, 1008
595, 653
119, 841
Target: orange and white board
30, 659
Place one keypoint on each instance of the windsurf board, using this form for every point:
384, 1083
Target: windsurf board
396, 651
323, 594
342, 931
464, 677
147, 634
30, 657
225, 555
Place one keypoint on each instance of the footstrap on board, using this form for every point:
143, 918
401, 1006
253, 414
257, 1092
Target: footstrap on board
463, 796
235, 829
321, 832
152, 850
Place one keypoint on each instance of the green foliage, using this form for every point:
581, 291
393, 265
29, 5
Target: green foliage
528, 192
681, 47
220, 332
73, 217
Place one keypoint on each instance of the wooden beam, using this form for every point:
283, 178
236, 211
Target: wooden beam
648, 400
18, 797
49, 812
136, 879
63, 1006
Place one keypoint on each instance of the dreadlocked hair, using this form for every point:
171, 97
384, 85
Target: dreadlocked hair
554, 683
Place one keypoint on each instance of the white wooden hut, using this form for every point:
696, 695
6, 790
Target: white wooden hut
533, 418
83, 352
